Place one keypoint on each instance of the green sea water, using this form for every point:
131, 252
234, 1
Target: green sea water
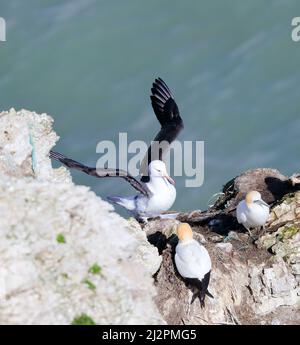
232, 66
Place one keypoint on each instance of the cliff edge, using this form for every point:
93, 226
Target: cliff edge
66, 257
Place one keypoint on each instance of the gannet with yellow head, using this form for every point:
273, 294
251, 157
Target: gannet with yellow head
193, 262
252, 212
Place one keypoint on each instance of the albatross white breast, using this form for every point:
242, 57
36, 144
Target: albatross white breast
160, 198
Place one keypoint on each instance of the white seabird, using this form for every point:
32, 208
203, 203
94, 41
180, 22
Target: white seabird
252, 212
156, 189
160, 197
193, 262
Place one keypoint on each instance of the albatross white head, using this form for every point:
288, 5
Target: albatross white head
254, 198
184, 233
157, 169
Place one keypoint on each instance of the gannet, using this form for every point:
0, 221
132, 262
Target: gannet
193, 262
156, 189
252, 212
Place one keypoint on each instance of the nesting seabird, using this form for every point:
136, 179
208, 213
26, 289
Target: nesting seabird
193, 262
156, 189
252, 212
161, 194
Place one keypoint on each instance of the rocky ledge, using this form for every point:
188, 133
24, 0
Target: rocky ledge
68, 258
65, 256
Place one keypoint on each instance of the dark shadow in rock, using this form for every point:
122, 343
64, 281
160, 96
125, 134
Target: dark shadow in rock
173, 241
270, 251
220, 224
223, 224
269, 182
279, 188
158, 240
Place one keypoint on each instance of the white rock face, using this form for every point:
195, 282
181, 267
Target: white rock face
64, 253
273, 287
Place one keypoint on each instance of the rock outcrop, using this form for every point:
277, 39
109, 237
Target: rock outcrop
252, 282
65, 256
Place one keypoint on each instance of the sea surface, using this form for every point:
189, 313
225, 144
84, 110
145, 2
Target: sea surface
232, 66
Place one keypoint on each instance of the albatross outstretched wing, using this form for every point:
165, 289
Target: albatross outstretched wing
167, 113
70, 163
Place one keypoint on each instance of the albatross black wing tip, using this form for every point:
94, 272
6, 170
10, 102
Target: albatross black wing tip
163, 103
56, 155
167, 113
164, 85
100, 173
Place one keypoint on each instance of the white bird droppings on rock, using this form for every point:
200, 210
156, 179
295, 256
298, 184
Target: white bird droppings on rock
226, 247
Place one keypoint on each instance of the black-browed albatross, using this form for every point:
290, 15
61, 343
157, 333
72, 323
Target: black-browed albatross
156, 189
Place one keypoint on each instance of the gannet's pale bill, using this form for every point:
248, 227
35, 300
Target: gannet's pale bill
252, 212
193, 262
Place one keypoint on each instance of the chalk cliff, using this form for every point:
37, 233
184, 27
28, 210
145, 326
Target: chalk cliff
67, 258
